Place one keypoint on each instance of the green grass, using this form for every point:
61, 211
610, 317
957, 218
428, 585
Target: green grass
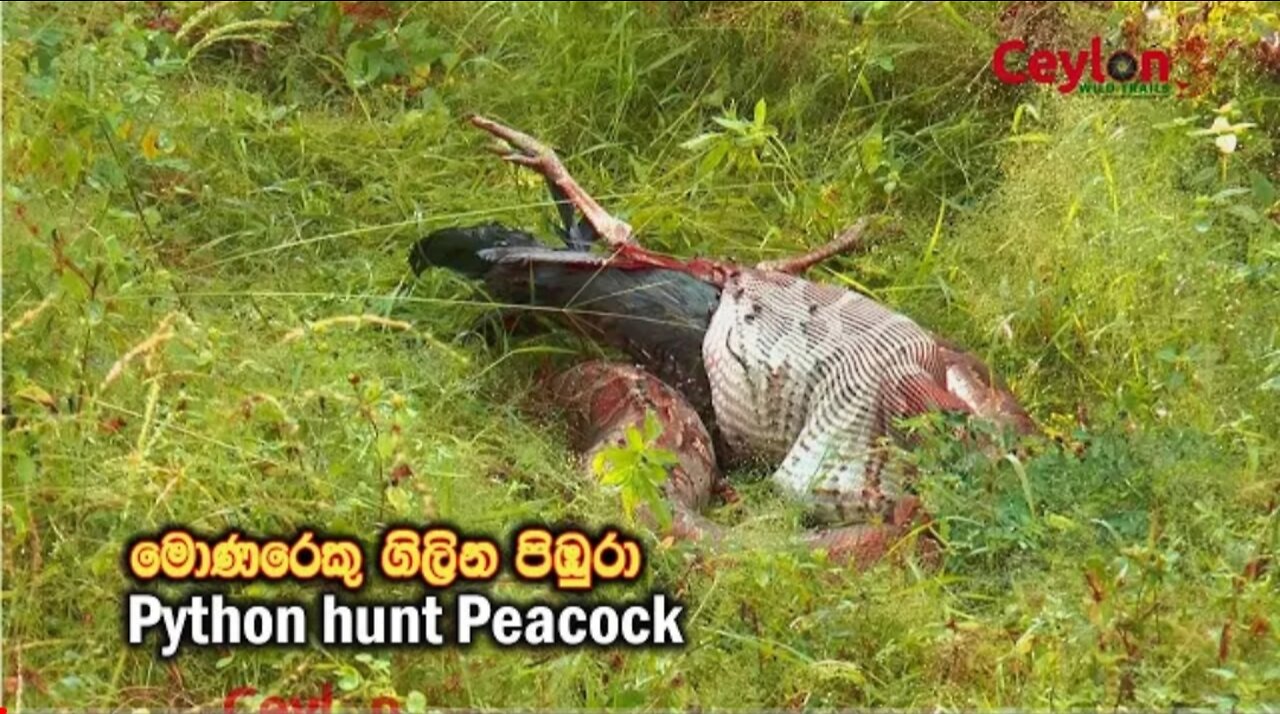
1120, 273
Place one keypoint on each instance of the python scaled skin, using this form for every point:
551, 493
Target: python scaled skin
810, 377
604, 399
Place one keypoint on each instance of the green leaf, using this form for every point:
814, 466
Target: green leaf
760, 113
663, 457
652, 427
634, 440
356, 63
871, 150
373, 68
348, 679
1262, 189
386, 445
736, 125
416, 702
1245, 213
700, 141
638, 468
616, 476
713, 159
73, 286
1224, 194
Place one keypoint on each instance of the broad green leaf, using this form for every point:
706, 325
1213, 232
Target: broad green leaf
700, 141
634, 440
871, 150
1263, 190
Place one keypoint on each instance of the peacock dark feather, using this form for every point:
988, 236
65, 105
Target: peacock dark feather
657, 317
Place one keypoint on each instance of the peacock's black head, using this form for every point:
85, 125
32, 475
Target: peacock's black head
459, 249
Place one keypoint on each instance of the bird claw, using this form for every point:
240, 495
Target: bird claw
522, 149
515, 155
517, 140
533, 162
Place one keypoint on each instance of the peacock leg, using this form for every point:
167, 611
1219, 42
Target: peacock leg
528, 151
577, 234
849, 239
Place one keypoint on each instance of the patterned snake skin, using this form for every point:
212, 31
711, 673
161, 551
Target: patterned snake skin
810, 376
603, 399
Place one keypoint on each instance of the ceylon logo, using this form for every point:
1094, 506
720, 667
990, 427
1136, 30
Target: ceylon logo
1086, 71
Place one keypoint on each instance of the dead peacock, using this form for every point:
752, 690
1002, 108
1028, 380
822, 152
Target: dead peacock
749, 364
